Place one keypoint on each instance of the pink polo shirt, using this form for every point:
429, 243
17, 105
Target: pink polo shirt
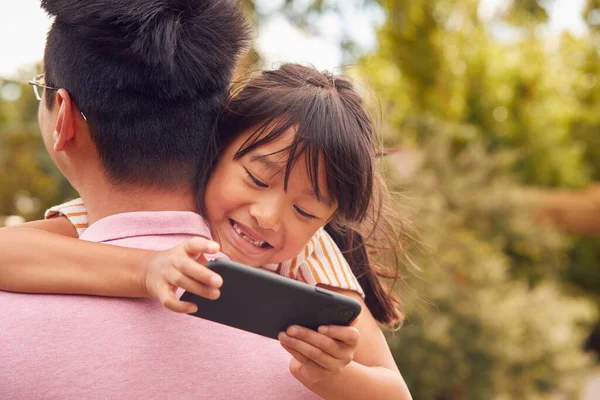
73, 347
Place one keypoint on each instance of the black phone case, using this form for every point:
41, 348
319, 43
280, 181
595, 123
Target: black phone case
265, 303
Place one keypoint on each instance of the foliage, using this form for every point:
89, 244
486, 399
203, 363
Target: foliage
30, 181
466, 97
476, 330
439, 58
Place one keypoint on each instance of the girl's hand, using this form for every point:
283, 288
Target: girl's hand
182, 267
318, 355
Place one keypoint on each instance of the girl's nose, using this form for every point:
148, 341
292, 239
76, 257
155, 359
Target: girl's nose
267, 214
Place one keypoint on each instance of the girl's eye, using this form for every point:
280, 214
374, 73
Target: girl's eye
304, 213
256, 181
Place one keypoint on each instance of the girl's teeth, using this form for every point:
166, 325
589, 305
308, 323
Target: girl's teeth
257, 243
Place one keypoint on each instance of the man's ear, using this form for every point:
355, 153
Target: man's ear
66, 121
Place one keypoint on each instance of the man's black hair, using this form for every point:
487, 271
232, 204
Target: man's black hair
149, 75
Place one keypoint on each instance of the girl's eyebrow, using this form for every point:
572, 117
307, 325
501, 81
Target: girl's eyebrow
321, 199
268, 162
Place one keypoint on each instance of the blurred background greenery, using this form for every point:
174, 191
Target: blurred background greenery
496, 127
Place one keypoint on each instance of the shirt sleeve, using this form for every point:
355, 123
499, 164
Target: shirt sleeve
75, 212
320, 262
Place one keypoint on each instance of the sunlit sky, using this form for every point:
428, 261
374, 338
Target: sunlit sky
277, 39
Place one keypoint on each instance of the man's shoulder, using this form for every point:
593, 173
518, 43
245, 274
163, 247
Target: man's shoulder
92, 340
160, 226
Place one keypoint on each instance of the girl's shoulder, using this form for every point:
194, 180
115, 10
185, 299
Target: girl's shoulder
74, 210
320, 262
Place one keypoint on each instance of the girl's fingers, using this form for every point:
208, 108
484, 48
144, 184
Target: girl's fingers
321, 341
202, 259
348, 335
299, 357
311, 352
178, 279
167, 298
197, 272
197, 246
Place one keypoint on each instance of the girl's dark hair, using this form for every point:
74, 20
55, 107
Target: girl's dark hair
332, 126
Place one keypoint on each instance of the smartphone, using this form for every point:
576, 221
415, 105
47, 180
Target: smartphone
266, 303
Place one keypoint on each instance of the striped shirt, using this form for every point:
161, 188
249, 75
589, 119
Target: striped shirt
320, 262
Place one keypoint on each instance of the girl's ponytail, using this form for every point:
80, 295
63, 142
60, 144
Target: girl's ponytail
375, 248
381, 300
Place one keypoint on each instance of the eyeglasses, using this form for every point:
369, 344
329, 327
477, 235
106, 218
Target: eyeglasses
39, 84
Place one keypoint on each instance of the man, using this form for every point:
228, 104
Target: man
131, 92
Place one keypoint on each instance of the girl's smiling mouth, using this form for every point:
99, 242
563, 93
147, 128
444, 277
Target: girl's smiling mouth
248, 235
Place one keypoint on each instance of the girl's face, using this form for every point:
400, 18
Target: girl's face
254, 219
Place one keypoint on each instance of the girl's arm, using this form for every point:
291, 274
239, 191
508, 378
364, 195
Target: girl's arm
59, 225
372, 373
45, 257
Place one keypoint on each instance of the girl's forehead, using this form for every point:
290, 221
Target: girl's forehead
256, 144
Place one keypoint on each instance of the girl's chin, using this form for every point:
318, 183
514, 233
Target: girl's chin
251, 262
236, 255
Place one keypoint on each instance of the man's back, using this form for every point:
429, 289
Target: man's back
95, 347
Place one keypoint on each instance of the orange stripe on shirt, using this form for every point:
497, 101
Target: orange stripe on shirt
329, 282
312, 270
301, 276
76, 214
77, 226
333, 268
310, 254
292, 266
341, 265
295, 262
69, 205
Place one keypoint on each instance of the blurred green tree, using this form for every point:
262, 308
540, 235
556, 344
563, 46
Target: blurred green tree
30, 181
440, 58
474, 331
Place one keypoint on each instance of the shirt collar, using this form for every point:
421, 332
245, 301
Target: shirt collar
146, 223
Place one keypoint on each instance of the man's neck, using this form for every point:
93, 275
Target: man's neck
104, 200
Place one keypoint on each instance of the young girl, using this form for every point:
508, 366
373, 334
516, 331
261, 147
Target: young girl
294, 154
